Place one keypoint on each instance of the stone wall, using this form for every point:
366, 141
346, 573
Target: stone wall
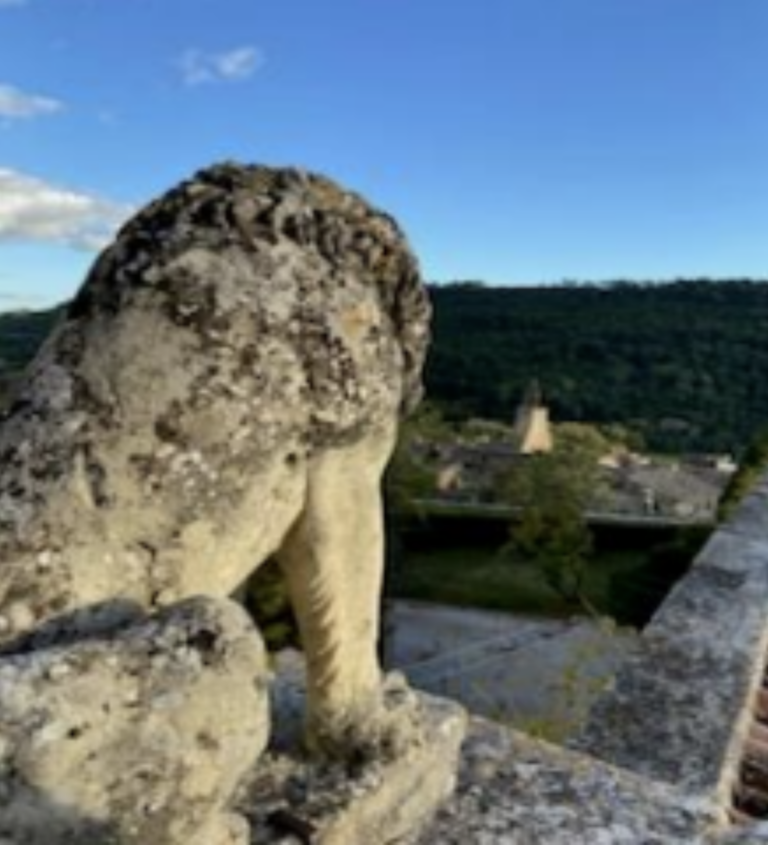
674, 753
683, 706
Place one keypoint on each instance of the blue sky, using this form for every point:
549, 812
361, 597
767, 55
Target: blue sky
518, 141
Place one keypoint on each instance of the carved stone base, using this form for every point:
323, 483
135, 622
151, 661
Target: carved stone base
293, 800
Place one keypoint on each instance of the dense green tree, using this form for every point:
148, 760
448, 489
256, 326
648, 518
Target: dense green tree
409, 475
21, 334
266, 599
635, 595
408, 478
554, 492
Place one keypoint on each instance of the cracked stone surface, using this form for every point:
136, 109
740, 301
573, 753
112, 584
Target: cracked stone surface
515, 790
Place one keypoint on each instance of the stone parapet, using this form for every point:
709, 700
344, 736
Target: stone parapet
681, 706
666, 754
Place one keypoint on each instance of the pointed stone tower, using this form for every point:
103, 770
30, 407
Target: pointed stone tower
533, 432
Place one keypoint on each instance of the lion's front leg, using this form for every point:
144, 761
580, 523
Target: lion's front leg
333, 562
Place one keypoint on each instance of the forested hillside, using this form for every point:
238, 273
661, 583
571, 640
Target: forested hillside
20, 336
683, 364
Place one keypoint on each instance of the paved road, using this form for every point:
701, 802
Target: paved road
538, 674
480, 509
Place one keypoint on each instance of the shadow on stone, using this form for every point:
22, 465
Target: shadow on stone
90, 623
28, 817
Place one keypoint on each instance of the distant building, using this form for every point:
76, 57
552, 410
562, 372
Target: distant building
533, 432
450, 478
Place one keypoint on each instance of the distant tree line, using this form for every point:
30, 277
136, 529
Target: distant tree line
681, 364
21, 334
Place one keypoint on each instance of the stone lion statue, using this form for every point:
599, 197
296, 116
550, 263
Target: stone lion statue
226, 386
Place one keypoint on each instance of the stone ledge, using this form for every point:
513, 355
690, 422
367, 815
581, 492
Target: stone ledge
750, 518
680, 706
517, 790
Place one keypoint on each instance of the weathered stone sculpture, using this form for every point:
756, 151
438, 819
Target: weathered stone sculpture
138, 738
225, 386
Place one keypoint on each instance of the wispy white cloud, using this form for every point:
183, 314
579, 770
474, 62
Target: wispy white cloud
6, 3
34, 210
198, 67
16, 104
